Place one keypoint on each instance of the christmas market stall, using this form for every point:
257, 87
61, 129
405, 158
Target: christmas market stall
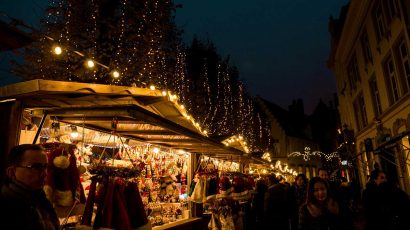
120, 157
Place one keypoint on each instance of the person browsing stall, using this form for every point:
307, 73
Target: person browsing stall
23, 203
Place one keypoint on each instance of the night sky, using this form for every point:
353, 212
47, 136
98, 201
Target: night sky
279, 46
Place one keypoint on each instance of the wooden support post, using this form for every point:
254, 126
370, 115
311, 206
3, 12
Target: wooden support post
10, 118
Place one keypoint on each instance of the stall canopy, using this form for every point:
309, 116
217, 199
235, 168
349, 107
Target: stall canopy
146, 115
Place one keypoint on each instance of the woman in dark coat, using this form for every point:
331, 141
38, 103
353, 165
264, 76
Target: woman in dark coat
297, 197
321, 212
257, 203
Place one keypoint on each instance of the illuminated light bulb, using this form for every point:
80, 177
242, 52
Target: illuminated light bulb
164, 93
115, 74
205, 131
156, 150
182, 107
74, 132
151, 87
90, 64
57, 50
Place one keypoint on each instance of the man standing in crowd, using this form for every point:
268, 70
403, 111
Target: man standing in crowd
276, 205
386, 206
333, 185
23, 203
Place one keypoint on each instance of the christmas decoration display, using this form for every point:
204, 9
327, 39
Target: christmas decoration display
307, 154
63, 181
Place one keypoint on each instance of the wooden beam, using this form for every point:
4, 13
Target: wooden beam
182, 141
140, 114
97, 119
149, 100
162, 132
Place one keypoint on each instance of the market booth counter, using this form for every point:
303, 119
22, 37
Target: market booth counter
113, 127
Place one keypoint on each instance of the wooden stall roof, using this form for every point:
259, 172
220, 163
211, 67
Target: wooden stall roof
143, 114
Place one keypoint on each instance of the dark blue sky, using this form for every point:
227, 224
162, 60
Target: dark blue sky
279, 46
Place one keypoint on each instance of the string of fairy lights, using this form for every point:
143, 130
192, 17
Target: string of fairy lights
90, 63
308, 154
220, 118
239, 139
279, 169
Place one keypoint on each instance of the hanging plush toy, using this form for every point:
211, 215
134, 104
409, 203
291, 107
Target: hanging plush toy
168, 192
63, 182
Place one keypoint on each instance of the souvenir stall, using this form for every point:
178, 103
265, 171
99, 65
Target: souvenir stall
128, 173
223, 192
131, 146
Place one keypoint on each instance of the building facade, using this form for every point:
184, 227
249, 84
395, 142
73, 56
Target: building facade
292, 133
371, 61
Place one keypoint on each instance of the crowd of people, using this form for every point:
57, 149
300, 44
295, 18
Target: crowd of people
315, 204
322, 204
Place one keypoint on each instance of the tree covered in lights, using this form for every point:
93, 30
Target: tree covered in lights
137, 39
136, 43
220, 100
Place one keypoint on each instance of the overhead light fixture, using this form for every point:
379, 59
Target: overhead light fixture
57, 50
156, 150
115, 74
90, 63
74, 132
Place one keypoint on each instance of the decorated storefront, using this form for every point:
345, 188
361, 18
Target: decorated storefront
122, 157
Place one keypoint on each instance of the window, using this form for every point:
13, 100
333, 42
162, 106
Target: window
403, 62
379, 22
391, 80
353, 73
374, 90
360, 112
367, 53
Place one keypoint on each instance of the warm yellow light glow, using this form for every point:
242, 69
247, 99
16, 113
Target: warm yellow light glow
57, 50
156, 150
74, 134
182, 107
164, 93
151, 87
115, 74
90, 64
